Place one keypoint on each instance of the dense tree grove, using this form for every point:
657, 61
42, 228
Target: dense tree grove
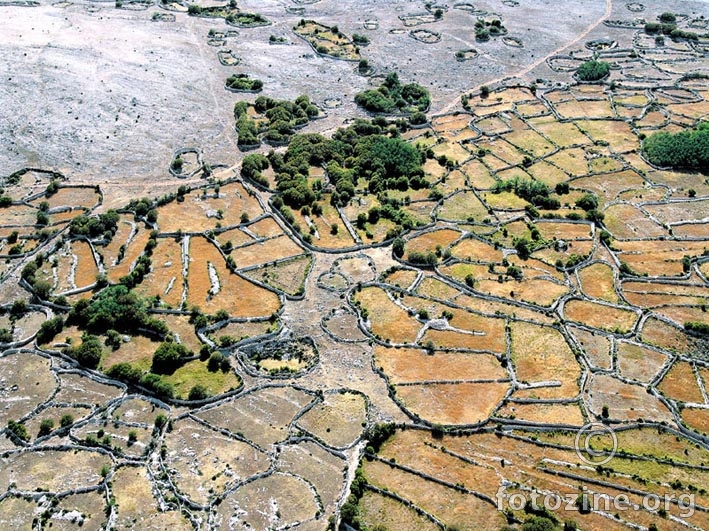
117, 308
593, 70
686, 150
95, 226
535, 192
282, 117
393, 97
362, 151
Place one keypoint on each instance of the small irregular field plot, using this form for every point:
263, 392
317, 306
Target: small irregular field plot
337, 421
542, 357
279, 500
206, 462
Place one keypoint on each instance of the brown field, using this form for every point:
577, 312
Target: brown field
500, 308
413, 365
165, 278
585, 109
532, 108
239, 331
392, 321
73, 197
288, 277
452, 150
682, 314
461, 510
680, 383
529, 140
337, 421
658, 258
691, 230
463, 206
597, 281
133, 251
571, 160
432, 287
475, 331
627, 221
32, 384
596, 346
63, 267
696, 418
86, 268
376, 509
653, 300
476, 251
238, 237
625, 402
547, 173
478, 175
18, 215
639, 363
564, 230
265, 251
451, 122
541, 354
137, 505
562, 134
199, 212
138, 352
492, 125
402, 278
460, 403
266, 228
431, 241
239, 297
433, 169
537, 291
263, 416
52, 470
124, 230
600, 316
658, 333
454, 181
279, 499
204, 460
566, 414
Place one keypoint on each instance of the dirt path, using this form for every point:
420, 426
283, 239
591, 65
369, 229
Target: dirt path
535, 64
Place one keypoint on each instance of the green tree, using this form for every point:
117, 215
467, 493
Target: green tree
593, 70
89, 352
198, 392
45, 427
169, 357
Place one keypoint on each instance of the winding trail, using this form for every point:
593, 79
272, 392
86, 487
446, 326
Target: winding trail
609, 7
